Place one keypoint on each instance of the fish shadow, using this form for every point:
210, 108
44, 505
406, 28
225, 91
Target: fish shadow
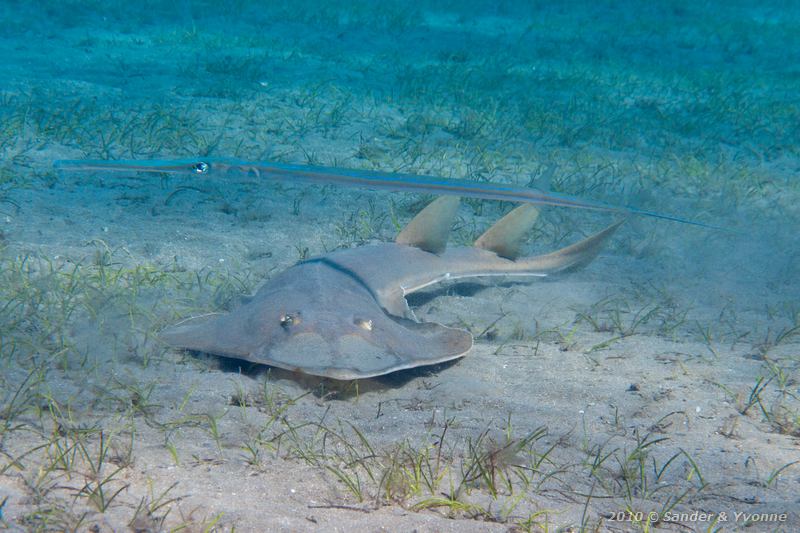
322, 387
465, 289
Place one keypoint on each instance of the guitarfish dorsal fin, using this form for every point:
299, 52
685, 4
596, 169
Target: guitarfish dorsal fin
431, 227
506, 236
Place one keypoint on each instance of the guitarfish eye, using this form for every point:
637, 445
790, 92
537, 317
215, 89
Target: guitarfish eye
288, 320
363, 323
201, 167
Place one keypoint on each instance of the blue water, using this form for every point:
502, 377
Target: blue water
679, 332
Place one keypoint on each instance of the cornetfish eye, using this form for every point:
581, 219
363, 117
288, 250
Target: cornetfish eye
201, 167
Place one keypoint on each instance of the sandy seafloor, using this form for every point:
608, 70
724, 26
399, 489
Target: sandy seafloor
662, 378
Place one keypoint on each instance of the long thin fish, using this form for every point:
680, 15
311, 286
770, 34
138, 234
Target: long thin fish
208, 167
